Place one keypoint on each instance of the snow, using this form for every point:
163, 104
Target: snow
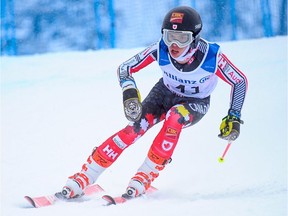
56, 107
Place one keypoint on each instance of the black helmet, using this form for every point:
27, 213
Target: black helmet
183, 18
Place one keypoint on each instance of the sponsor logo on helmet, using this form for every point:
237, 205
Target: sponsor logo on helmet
198, 26
176, 17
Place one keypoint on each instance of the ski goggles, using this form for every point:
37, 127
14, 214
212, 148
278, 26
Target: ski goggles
181, 38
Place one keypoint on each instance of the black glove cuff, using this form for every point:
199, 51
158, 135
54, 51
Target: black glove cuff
130, 93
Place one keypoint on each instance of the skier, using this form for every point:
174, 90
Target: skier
190, 69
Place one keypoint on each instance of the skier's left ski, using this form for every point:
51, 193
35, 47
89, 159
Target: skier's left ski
48, 200
124, 198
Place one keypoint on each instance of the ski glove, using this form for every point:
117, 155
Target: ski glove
230, 127
132, 104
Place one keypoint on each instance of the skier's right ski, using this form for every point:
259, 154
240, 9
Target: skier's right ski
48, 200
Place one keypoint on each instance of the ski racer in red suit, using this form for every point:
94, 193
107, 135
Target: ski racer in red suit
190, 68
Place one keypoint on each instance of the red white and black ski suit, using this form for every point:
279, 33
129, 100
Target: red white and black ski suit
180, 98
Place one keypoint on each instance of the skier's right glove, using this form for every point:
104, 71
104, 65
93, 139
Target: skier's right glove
132, 104
230, 127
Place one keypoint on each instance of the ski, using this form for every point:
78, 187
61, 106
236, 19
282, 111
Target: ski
110, 200
48, 200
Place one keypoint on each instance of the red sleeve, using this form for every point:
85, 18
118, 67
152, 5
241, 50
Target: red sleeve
144, 59
234, 77
136, 63
228, 72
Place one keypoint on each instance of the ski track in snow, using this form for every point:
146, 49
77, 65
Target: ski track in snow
56, 107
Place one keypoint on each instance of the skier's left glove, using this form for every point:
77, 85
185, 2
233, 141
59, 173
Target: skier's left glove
230, 126
132, 104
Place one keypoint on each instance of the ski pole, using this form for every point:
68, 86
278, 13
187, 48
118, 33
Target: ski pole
221, 159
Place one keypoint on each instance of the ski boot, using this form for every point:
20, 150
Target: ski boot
71, 190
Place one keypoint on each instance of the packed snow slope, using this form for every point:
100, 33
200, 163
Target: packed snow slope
56, 107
